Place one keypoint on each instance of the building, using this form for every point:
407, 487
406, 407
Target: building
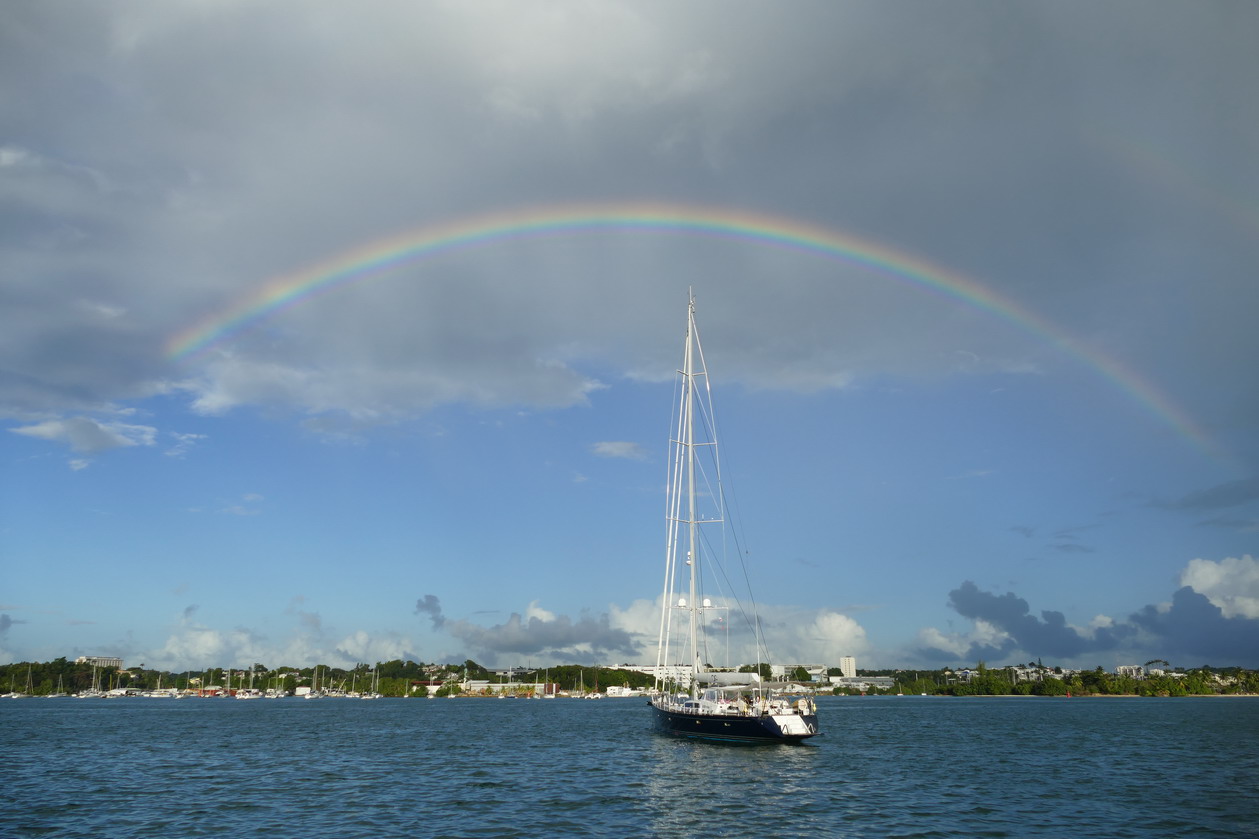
679, 674
863, 683
99, 661
1136, 671
817, 672
848, 667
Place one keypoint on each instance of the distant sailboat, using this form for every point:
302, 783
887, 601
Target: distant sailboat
688, 700
374, 693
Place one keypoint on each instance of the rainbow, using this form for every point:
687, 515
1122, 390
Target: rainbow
378, 257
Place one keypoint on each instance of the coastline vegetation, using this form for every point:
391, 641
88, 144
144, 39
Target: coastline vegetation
1038, 680
395, 678
399, 678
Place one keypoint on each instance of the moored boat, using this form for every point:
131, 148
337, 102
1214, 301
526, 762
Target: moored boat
689, 698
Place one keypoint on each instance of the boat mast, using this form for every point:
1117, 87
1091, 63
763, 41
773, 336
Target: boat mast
692, 555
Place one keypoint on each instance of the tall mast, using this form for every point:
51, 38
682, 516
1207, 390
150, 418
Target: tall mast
692, 555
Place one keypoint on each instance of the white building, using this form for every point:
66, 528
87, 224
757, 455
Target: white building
848, 667
864, 683
99, 661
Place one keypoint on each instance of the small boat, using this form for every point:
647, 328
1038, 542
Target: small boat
688, 700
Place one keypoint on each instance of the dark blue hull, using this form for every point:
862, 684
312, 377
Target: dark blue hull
731, 729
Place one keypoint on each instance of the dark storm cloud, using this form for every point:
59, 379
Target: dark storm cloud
1018, 148
1049, 635
1192, 630
1195, 632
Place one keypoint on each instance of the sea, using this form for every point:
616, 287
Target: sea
895, 766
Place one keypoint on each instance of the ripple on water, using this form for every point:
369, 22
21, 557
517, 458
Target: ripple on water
904, 767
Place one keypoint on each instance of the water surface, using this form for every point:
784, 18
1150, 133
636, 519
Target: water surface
887, 766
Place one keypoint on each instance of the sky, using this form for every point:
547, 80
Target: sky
338, 333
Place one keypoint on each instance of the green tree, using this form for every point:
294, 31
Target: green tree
1049, 686
1096, 681
766, 672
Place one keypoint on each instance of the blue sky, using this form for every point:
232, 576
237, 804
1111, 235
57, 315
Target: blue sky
464, 456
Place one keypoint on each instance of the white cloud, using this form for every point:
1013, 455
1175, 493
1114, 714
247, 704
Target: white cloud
982, 634
628, 451
381, 391
362, 646
1232, 584
536, 611
86, 435
829, 636
193, 646
183, 443
793, 635
640, 618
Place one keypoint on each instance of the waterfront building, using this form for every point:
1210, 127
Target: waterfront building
863, 683
99, 661
848, 667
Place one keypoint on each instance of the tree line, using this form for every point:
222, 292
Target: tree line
410, 678
985, 681
392, 678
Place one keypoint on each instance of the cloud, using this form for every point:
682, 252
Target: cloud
1213, 617
431, 606
88, 436
589, 639
1231, 585
194, 645
982, 642
534, 610
311, 622
824, 639
617, 102
1071, 548
362, 646
792, 634
1194, 627
1016, 628
628, 451
183, 443
1244, 525
1218, 497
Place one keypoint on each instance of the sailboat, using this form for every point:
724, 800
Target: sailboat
374, 693
688, 699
